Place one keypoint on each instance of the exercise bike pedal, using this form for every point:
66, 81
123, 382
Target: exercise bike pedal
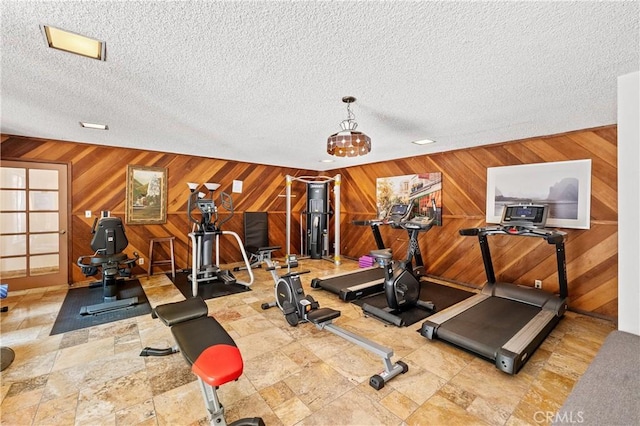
426, 304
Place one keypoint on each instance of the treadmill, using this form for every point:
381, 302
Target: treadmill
363, 282
505, 322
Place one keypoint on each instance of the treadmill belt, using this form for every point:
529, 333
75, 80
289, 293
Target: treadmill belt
487, 326
340, 282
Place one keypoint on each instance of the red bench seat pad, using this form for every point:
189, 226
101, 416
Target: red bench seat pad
218, 365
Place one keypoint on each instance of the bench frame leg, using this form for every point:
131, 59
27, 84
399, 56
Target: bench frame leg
211, 400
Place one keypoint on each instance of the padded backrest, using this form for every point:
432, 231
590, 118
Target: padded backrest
109, 236
256, 231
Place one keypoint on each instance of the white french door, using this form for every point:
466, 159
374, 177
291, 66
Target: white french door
33, 224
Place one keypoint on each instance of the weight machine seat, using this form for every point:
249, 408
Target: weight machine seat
322, 315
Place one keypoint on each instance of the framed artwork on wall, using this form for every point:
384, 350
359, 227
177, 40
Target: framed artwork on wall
564, 185
423, 191
146, 201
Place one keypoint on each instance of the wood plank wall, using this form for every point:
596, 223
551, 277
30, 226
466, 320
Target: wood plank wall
592, 255
99, 183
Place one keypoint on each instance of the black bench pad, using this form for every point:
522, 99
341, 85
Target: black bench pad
177, 312
192, 329
194, 336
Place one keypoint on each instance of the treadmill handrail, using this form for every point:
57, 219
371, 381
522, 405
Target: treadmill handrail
551, 236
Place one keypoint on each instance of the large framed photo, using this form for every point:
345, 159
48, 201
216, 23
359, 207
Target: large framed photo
564, 185
146, 195
423, 191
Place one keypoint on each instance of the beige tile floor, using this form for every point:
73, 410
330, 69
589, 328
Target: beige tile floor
293, 375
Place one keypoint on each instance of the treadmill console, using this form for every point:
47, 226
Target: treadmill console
525, 215
397, 212
420, 223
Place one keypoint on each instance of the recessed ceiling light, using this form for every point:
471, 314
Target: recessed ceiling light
94, 126
74, 43
423, 141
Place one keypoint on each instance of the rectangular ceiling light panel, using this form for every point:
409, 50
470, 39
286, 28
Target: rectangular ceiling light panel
74, 43
94, 126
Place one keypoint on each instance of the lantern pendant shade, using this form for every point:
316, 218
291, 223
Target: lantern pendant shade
348, 142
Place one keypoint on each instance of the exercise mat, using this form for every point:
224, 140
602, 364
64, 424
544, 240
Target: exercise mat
206, 290
441, 296
69, 317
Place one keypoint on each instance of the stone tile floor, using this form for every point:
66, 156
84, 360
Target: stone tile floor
293, 375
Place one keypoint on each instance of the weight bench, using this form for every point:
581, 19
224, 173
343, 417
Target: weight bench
257, 256
256, 239
205, 344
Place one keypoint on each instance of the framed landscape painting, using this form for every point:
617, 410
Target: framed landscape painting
564, 185
146, 195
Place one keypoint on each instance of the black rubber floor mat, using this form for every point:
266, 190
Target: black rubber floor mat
441, 296
69, 317
206, 290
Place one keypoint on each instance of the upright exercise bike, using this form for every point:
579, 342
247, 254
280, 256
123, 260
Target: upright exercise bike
298, 307
402, 282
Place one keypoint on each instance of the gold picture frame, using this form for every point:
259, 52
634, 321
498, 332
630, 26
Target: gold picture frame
146, 195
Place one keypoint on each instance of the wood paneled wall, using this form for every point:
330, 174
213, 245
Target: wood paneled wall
99, 183
592, 255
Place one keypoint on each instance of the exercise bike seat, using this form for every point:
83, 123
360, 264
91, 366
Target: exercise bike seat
382, 254
322, 315
99, 259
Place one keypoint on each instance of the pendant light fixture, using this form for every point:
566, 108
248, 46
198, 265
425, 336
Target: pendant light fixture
348, 142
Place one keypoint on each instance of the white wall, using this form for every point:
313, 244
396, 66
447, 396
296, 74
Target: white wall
629, 203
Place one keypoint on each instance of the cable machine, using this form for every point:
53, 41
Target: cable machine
315, 242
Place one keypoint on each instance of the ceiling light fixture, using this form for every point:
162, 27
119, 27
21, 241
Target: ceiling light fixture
94, 126
348, 142
423, 142
74, 43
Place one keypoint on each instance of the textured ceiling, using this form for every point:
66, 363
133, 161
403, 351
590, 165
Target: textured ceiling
263, 81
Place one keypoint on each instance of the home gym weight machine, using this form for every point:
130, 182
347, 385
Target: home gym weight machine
207, 230
317, 217
298, 307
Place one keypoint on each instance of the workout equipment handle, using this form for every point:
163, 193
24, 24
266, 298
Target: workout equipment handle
469, 231
294, 273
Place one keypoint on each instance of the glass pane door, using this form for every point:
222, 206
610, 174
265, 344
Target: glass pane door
33, 223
